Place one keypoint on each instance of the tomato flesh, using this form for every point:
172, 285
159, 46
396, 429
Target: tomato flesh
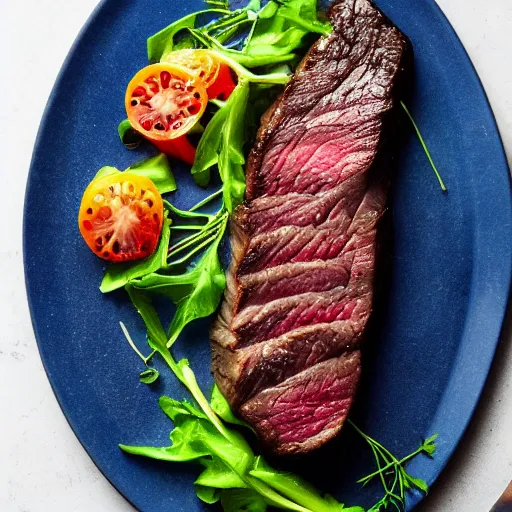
180, 148
224, 84
163, 103
205, 66
201, 64
121, 217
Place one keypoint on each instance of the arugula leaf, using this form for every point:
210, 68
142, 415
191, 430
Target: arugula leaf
209, 495
119, 274
207, 153
304, 14
196, 293
163, 42
223, 144
273, 36
149, 375
174, 408
282, 29
158, 170
221, 407
234, 500
170, 453
189, 425
106, 170
231, 156
217, 474
129, 137
157, 339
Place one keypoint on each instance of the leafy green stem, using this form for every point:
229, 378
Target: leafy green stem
192, 386
192, 252
206, 234
187, 227
132, 343
243, 73
186, 214
206, 200
389, 465
225, 34
319, 28
424, 146
197, 237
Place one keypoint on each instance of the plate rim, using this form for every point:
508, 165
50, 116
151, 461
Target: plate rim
413, 498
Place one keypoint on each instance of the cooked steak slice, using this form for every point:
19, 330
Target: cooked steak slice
268, 213
259, 323
292, 279
244, 372
291, 244
308, 409
300, 286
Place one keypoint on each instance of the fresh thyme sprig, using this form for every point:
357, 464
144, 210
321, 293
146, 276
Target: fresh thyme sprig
395, 480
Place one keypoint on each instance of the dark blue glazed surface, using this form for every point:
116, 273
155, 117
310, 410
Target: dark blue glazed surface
438, 320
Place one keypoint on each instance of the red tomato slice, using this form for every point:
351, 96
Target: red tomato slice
121, 217
224, 85
163, 102
201, 64
206, 66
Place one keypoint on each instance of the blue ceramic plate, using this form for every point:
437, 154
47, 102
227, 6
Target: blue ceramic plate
438, 320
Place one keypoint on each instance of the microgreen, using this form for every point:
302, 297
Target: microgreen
424, 146
149, 375
395, 480
156, 168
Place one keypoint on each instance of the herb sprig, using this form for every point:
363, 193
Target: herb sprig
395, 480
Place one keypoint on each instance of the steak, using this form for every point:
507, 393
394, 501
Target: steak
286, 343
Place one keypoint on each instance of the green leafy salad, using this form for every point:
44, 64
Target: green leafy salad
221, 68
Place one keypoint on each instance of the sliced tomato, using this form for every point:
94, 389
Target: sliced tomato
201, 64
121, 217
224, 84
206, 66
163, 102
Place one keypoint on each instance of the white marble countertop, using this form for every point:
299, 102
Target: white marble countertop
43, 466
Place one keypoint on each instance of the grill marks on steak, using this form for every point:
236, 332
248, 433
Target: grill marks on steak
299, 289
291, 279
268, 213
303, 410
263, 365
